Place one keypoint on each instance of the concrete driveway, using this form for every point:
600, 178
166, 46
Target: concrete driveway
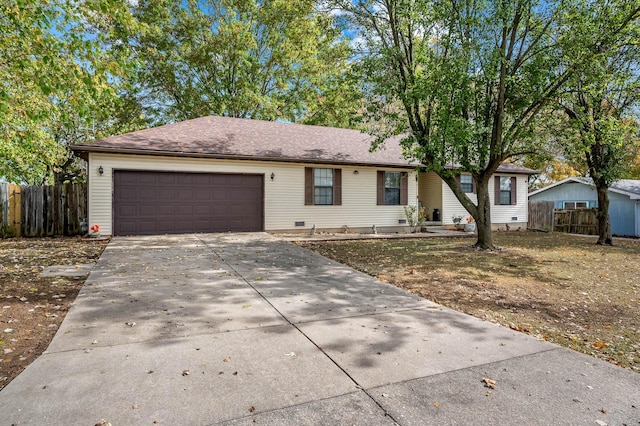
246, 329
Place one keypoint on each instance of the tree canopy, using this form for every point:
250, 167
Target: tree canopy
265, 60
468, 81
72, 71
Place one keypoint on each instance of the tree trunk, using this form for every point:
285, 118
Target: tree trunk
604, 224
483, 219
481, 211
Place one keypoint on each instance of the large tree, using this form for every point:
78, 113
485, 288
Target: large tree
603, 97
279, 59
466, 81
55, 84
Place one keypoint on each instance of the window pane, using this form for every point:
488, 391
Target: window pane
323, 196
392, 196
581, 205
505, 197
505, 183
466, 183
392, 180
568, 205
322, 177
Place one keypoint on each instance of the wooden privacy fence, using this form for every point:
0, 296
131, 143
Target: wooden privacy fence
541, 215
580, 221
43, 210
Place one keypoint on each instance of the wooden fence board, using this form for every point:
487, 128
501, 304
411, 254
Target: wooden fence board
541, 215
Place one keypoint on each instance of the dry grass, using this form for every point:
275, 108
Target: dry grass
558, 287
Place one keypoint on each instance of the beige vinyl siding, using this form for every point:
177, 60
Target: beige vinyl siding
499, 214
504, 214
430, 192
283, 197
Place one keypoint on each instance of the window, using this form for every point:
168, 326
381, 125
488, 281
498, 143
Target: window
322, 187
505, 190
466, 183
573, 205
392, 189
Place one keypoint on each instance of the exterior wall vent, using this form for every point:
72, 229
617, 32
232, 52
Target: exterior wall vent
514, 218
299, 223
402, 221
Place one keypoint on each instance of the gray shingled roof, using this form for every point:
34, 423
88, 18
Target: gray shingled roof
224, 137
237, 138
627, 185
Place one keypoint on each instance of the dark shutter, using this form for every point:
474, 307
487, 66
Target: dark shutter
380, 188
496, 194
514, 186
404, 189
308, 186
337, 187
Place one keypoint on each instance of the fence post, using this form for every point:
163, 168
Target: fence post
15, 208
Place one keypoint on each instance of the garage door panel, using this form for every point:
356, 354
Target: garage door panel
202, 193
147, 194
147, 210
145, 179
147, 203
202, 210
167, 193
184, 210
184, 179
129, 194
201, 180
166, 210
185, 194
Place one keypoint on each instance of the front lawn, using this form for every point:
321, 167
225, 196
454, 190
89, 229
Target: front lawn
554, 286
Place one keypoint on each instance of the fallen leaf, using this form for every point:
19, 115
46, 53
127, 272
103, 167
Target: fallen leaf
252, 409
436, 404
103, 422
489, 383
246, 306
226, 359
185, 372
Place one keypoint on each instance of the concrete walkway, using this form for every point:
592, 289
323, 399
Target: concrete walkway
247, 329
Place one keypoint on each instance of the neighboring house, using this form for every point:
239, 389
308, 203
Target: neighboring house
580, 192
218, 174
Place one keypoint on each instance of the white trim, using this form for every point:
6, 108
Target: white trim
575, 207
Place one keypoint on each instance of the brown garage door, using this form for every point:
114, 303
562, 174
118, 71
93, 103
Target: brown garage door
148, 203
